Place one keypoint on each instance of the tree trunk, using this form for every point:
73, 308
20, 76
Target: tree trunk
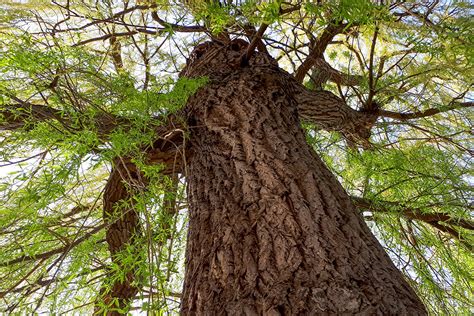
123, 228
271, 231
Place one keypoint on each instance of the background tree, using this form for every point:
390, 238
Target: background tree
95, 143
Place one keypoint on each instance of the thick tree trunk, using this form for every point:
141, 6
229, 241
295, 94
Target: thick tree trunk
271, 231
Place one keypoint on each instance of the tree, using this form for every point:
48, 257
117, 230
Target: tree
116, 150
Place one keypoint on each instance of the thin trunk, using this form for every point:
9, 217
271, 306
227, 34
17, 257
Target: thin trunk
122, 219
122, 230
271, 231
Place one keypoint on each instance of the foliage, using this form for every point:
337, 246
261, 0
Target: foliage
105, 76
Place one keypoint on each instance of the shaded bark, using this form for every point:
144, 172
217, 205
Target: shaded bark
122, 230
271, 231
318, 47
331, 113
121, 219
321, 108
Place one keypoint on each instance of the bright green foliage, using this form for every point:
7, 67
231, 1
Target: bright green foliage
54, 199
109, 79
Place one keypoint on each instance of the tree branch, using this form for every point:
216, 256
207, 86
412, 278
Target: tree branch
323, 71
430, 112
116, 53
368, 105
122, 230
331, 113
40, 282
433, 219
176, 27
168, 148
108, 36
257, 38
317, 51
48, 254
16, 116
250, 32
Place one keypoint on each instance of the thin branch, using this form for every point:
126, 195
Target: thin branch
370, 105
44, 282
114, 35
430, 112
413, 213
48, 254
176, 27
257, 38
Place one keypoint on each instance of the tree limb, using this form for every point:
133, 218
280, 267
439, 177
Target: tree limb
116, 53
323, 71
430, 112
317, 50
168, 148
331, 113
256, 40
176, 27
435, 219
48, 254
250, 32
255, 37
122, 230
16, 116
22, 114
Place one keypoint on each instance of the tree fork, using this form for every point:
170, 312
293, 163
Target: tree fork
271, 231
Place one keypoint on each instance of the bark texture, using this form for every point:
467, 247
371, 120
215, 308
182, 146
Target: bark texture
122, 229
331, 113
271, 231
121, 219
319, 107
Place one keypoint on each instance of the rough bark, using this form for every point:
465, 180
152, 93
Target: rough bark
271, 231
121, 219
331, 113
318, 107
322, 72
122, 229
